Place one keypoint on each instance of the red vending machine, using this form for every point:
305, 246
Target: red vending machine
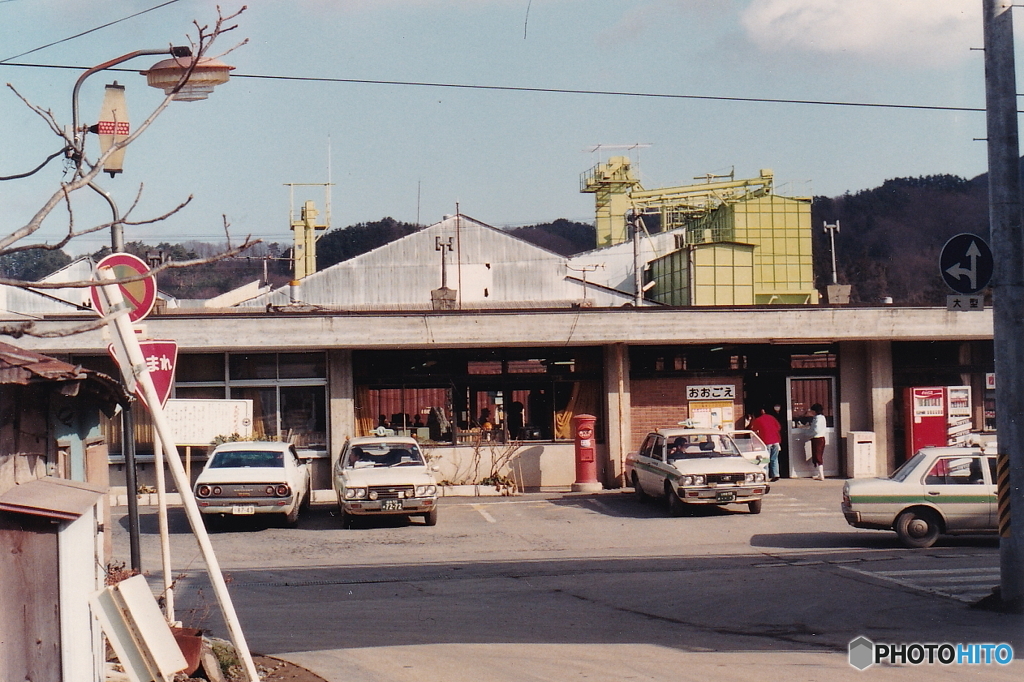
936, 415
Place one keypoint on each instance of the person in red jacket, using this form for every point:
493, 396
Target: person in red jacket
769, 430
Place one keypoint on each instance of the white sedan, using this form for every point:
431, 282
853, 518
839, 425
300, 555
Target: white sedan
695, 467
384, 476
938, 490
247, 478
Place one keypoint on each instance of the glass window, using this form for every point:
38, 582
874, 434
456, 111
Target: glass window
254, 366
196, 392
303, 418
533, 366
200, 367
992, 470
955, 471
302, 366
264, 409
484, 367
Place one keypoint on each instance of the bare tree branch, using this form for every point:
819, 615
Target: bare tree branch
86, 170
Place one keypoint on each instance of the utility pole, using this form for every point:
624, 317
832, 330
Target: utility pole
1007, 293
832, 229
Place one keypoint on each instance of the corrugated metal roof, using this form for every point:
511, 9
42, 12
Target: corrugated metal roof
488, 267
24, 367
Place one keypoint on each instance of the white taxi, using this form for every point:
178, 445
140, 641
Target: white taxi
938, 490
384, 476
247, 478
688, 466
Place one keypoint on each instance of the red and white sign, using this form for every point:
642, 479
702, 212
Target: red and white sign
161, 358
138, 296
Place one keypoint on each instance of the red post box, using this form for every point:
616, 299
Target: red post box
586, 454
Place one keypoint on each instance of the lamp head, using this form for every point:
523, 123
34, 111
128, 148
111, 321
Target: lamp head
208, 73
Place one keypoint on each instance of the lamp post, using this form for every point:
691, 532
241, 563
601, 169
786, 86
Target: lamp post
186, 78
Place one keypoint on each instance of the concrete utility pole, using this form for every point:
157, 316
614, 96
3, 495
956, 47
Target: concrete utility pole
1007, 237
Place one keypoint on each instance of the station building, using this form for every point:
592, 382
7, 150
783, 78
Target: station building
484, 345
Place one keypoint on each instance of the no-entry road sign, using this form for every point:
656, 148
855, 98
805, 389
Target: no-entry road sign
138, 296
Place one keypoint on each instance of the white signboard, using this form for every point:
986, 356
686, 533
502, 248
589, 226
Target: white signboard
712, 392
198, 421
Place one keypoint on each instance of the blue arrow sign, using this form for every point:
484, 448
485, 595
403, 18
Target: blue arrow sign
966, 263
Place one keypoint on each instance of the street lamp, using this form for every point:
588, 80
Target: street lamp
113, 127
206, 73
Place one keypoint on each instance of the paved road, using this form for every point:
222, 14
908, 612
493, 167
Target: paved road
594, 586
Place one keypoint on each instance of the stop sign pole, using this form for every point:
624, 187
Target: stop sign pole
1007, 235
125, 335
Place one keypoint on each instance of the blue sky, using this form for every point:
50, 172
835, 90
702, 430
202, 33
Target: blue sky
508, 158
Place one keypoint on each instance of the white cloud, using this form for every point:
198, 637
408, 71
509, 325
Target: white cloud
919, 32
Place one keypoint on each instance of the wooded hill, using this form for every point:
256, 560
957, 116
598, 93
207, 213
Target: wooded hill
888, 244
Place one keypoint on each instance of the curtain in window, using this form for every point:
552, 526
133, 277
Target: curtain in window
366, 420
585, 399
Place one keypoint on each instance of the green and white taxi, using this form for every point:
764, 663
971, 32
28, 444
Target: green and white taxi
688, 466
384, 476
938, 490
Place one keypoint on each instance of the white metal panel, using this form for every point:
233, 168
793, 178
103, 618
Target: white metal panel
80, 555
137, 630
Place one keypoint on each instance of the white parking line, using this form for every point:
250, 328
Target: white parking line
484, 513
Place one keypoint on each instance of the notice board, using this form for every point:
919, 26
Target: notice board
199, 421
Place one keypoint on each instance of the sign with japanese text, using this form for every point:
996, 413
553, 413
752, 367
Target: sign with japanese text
161, 358
711, 392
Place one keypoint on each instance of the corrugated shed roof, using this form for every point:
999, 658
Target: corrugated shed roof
24, 367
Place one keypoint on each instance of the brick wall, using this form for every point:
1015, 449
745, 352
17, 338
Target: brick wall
661, 403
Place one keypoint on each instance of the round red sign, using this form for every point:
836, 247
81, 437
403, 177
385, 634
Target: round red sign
139, 296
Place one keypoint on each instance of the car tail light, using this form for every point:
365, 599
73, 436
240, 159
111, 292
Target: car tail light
216, 490
203, 491
270, 491
282, 490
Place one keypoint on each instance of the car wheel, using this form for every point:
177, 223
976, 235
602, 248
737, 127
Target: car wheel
291, 519
641, 496
430, 518
676, 507
917, 528
754, 506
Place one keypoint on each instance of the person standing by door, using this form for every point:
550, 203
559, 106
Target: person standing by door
769, 430
818, 427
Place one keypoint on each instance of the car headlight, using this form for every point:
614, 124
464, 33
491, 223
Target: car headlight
754, 478
355, 493
698, 479
373, 494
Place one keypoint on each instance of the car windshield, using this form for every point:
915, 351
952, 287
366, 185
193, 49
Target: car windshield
748, 442
384, 455
901, 474
696, 446
244, 459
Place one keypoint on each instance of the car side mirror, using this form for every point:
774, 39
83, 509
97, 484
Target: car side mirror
434, 467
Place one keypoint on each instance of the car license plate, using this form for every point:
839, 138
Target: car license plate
243, 509
390, 505
725, 496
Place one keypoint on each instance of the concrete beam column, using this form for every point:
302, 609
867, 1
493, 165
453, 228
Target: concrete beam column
882, 398
341, 393
617, 414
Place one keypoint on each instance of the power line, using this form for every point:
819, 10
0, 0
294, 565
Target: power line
559, 91
91, 30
